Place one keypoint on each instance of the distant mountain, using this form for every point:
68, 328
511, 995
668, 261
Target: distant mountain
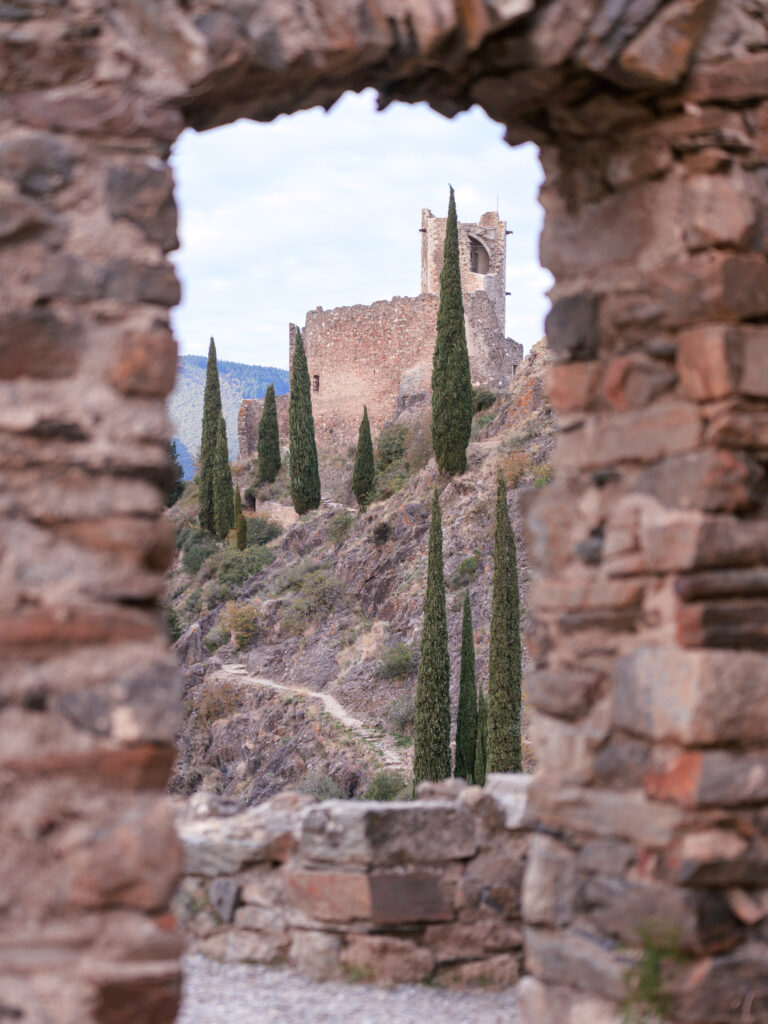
185, 405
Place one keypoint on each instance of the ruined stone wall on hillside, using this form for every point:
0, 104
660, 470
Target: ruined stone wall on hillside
248, 419
490, 231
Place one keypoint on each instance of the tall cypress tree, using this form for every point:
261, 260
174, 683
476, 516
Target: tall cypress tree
363, 473
305, 477
224, 512
504, 656
432, 729
268, 446
211, 413
451, 379
466, 717
481, 743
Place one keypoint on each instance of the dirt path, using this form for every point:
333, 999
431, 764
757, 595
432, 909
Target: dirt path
392, 756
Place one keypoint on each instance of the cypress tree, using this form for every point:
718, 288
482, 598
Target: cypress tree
363, 473
241, 532
224, 513
451, 379
466, 717
504, 656
268, 447
176, 486
211, 413
481, 743
305, 478
432, 729
237, 504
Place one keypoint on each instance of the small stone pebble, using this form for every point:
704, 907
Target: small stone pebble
216, 993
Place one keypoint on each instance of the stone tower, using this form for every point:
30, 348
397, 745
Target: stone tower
482, 257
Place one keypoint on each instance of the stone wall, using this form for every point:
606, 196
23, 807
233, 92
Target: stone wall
390, 892
248, 419
649, 550
491, 232
381, 355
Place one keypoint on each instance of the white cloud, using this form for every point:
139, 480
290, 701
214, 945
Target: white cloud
324, 209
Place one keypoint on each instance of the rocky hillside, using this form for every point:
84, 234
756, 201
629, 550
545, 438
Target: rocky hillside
238, 381
332, 604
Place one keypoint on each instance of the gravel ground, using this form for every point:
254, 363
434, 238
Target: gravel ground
217, 993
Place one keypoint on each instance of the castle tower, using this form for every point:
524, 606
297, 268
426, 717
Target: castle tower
482, 257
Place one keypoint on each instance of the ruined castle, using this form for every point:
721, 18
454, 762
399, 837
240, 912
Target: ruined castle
381, 355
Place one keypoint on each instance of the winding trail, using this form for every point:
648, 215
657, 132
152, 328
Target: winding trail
392, 757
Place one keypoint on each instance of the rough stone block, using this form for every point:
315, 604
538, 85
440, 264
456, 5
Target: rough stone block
578, 960
224, 846
718, 211
718, 988
387, 960
734, 624
39, 162
549, 1004
645, 435
604, 813
329, 895
383, 834
510, 791
315, 954
493, 879
403, 898
660, 53
37, 344
714, 481
573, 386
268, 920
634, 381
571, 328
696, 698
471, 940
143, 193
499, 971
568, 693
710, 778
549, 883
224, 895
133, 861
145, 363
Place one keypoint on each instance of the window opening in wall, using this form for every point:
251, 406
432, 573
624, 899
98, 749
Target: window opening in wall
479, 260
316, 383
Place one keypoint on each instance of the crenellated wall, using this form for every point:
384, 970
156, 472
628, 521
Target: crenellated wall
649, 550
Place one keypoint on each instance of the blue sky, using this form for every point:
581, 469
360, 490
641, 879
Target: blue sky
323, 209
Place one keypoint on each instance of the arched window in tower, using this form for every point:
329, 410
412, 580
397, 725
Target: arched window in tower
479, 260
316, 382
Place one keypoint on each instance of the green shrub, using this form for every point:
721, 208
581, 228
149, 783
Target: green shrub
391, 445
194, 603
381, 533
197, 546
482, 398
543, 472
217, 700
262, 529
249, 498
320, 785
464, 573
240, 620
318, 594
294, 576
237, 566
216, 638
338, 528
402, 714
386, 785
396, 662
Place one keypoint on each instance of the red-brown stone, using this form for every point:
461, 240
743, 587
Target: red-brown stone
145, 363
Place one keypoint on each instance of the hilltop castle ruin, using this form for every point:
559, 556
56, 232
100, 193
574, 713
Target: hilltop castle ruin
381, 355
